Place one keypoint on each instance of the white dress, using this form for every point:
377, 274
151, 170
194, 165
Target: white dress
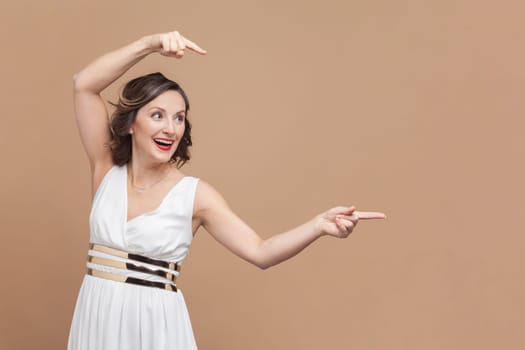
112, 315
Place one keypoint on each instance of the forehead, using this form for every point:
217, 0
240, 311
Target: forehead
170, 100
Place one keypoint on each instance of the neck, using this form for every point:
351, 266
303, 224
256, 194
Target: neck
144, 175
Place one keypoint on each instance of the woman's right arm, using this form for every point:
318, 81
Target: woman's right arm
90, 110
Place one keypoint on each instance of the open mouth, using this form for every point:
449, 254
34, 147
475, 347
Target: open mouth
164, 144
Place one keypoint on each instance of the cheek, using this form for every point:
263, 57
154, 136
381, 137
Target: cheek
143, 129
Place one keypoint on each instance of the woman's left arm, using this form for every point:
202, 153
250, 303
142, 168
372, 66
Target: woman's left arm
213, 213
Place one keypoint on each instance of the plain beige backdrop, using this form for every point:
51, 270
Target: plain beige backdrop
414, 108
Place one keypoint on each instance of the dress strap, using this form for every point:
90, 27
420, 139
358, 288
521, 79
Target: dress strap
134, 262
131, 280
136, 257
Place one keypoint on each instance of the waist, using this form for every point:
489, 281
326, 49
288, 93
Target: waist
122, 266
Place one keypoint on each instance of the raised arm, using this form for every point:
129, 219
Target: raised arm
90, 110
213, 213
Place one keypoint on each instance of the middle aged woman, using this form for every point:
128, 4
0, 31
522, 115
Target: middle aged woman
145, 211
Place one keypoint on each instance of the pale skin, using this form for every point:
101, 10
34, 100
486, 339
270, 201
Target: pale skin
151, 176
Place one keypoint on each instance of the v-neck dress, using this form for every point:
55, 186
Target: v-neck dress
113, 315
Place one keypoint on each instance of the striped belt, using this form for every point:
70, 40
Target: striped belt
133, 265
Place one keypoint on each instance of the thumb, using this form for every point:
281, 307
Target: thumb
344, 210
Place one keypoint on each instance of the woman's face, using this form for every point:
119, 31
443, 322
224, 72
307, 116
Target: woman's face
159, 127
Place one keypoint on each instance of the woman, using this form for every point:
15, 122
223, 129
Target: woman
145, 210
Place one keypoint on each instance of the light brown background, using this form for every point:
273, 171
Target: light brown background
411, 107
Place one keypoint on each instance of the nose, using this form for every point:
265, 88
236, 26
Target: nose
169, 126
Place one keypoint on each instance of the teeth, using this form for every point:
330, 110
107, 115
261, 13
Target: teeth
164, 142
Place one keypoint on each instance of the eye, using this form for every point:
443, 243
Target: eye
179, 117
156, 116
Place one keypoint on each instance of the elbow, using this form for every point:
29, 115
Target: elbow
258, 262
260, 257
77, 82
263, 258
263, 264
80, 83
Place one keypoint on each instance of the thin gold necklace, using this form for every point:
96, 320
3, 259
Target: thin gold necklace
146, 188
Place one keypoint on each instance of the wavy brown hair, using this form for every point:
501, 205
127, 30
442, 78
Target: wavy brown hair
136, 94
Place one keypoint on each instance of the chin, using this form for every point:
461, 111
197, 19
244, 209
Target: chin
162, 156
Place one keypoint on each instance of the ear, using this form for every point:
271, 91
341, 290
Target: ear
130, 131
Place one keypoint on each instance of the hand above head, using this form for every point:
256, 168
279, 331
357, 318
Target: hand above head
90, 110
173, 44
341, 221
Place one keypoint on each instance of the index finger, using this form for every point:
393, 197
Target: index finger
194, 47
366, 215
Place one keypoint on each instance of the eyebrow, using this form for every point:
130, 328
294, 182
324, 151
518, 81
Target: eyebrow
162, 109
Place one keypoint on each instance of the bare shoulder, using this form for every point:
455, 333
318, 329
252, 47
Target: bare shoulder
207, 197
